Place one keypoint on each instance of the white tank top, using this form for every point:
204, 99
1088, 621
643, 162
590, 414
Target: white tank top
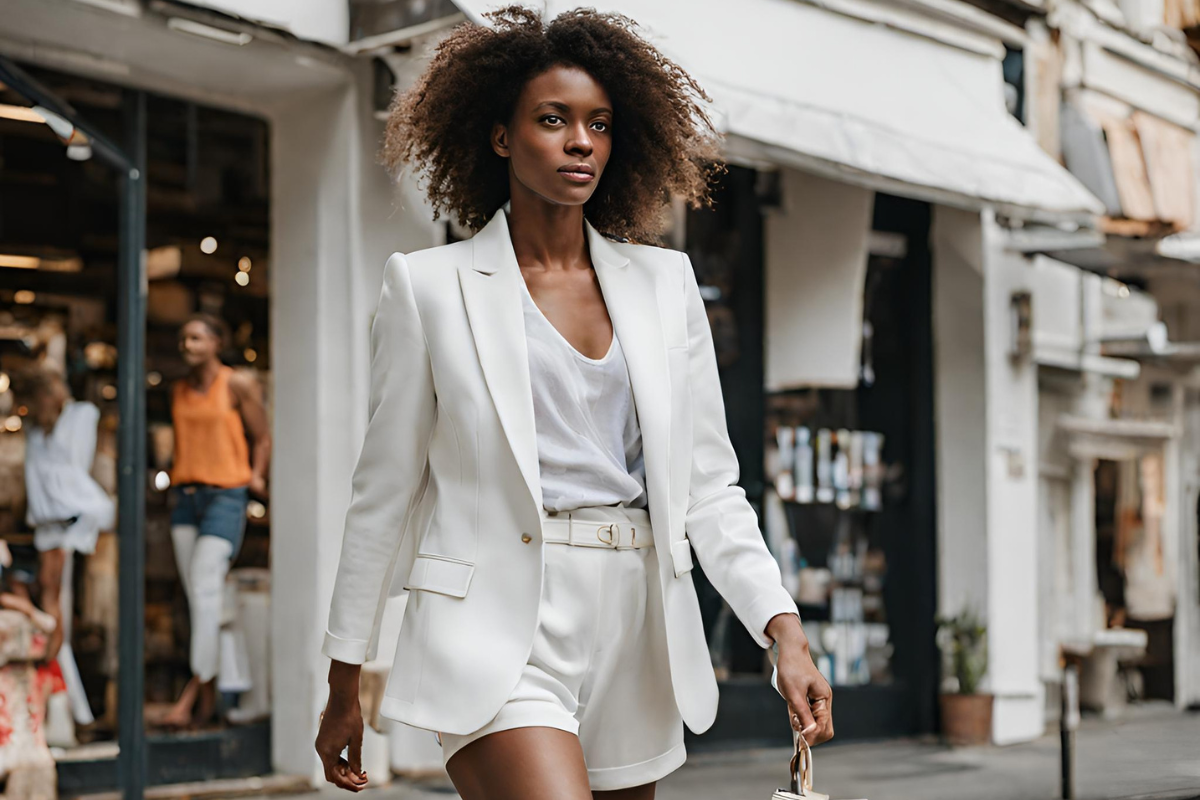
589, 441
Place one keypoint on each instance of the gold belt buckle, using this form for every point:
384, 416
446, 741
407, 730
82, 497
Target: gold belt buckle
612, 536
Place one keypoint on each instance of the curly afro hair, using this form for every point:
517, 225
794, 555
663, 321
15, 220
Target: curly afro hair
664, 142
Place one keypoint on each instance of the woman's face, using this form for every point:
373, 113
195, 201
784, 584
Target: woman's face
560, 136
47, 404
197, 344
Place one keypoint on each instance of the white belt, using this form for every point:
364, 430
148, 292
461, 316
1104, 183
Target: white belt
612, 527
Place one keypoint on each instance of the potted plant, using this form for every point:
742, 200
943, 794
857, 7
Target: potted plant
966, 714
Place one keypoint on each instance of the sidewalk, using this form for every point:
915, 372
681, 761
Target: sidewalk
1152, 754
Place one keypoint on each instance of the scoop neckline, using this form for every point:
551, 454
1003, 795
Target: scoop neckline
612, 344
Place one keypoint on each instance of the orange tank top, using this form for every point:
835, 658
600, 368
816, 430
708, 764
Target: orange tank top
210, 442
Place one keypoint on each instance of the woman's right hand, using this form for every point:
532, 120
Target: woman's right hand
342, 729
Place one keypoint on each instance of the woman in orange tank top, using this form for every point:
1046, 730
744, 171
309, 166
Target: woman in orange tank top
222, 453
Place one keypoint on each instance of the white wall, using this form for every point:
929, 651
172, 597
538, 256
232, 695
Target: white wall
335, 220
315, 349
318, 20
1067, 582
1057, 307
986, 419
1187, 623
960, 410
1012, 504
1056, 551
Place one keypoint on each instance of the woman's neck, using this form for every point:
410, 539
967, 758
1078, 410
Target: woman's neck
203, 375
49, 419
545, 236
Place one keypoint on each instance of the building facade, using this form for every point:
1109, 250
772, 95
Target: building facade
899, 165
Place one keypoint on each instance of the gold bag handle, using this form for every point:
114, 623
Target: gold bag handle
801, 767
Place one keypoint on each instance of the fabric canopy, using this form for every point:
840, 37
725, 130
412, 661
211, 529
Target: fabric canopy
798, 85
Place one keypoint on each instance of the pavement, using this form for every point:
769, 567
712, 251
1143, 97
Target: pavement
1151, 754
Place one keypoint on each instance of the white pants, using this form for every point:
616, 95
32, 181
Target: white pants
598, 667
203, 563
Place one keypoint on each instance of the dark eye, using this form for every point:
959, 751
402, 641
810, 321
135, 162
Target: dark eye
549, 117
603, 125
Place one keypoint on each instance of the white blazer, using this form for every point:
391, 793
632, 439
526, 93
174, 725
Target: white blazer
448, 479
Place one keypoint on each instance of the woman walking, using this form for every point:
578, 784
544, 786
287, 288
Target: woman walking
222, 454
546, 441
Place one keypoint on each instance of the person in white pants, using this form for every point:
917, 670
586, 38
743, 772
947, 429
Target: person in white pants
222, 453
66, 507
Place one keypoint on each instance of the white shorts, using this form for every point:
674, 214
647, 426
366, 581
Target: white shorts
598, 667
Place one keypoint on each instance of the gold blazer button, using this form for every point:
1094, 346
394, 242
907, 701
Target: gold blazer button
526, 538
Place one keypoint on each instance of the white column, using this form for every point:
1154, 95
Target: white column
1012, 398
335, 219
961, 411
1187, 622
987, 461
1084, 583
314, 416
1179, 523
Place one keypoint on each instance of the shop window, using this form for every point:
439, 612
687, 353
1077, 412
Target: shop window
1014, 82
208, 224
842, 478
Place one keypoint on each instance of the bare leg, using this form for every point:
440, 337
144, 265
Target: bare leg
206, 704
180, 715
521, 764
50, 576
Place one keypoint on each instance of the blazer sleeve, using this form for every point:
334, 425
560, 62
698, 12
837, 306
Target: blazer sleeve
390, 470
720, 523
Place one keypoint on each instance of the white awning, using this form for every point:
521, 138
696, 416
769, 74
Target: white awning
851, 95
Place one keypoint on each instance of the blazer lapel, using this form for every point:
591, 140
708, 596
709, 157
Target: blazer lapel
493, 302
630, 294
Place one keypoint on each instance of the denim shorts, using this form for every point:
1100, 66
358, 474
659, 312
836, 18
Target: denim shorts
213, 510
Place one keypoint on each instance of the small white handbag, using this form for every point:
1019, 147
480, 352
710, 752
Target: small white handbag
802, 773
802, 761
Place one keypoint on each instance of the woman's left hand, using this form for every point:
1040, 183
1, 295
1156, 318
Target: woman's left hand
809, 698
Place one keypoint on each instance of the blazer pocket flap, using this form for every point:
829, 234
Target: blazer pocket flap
681, 556
441, 575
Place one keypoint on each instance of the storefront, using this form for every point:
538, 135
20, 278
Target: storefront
840, 466
307, 206
1115, 345
873, 139
1117, 570
207, 226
